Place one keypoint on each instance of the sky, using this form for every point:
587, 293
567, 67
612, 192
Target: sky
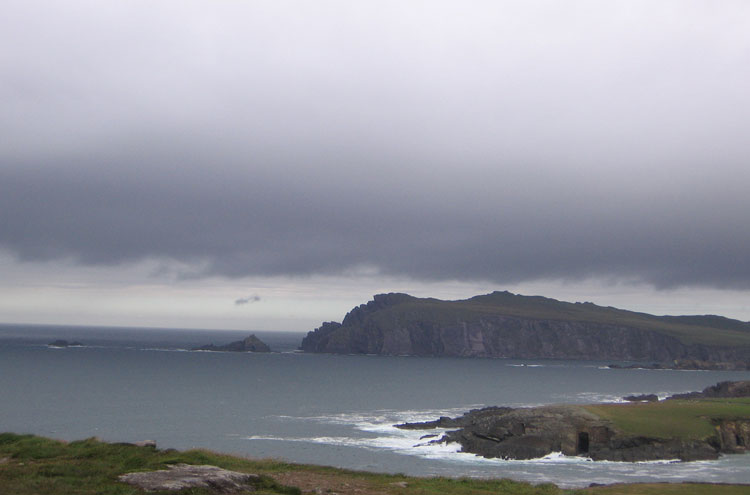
271, 164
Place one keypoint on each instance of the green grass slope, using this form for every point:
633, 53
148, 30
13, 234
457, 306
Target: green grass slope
31, 465
681, 419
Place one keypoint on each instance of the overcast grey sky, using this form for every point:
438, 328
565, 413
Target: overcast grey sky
161, 160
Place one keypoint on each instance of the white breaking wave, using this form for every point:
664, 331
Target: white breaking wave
379, 433
375, 431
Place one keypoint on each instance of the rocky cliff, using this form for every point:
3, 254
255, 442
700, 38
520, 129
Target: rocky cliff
507, 325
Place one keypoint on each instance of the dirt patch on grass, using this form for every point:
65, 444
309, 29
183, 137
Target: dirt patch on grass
316, 483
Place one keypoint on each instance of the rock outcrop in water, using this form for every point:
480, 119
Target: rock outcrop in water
502, 324
64, 343
249, 344
529, 433
722, 390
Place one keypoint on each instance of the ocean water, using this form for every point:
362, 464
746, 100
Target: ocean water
137, 384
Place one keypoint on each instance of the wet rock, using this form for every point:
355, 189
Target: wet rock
466, 420
641, 398
64, 343
530, 433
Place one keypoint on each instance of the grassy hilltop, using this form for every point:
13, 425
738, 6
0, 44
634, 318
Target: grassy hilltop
507, 325
698, 329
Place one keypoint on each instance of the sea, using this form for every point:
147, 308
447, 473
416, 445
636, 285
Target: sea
132, 384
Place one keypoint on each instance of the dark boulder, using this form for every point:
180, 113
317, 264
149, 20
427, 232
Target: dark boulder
641, 398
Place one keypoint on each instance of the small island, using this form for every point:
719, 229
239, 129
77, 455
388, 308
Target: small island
249, 344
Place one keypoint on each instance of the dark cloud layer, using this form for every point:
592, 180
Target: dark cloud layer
499, 141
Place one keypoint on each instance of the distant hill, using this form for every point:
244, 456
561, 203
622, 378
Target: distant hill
502, 324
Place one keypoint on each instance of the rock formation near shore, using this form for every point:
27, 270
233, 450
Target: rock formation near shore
64, 343
529, 433
249, 344
502, 324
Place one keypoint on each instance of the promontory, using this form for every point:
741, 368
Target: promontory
688, 427
502, 324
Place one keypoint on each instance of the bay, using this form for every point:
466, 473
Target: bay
135, 384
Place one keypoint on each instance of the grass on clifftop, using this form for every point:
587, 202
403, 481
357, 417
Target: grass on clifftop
683, 419
707, 330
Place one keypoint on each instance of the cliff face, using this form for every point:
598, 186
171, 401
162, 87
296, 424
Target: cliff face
398, 324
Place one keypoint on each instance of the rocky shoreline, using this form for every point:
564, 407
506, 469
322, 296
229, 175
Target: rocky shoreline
529, 433
689, 364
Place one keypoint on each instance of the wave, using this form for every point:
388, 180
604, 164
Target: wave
376, 431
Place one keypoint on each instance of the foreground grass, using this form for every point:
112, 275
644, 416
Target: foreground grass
683, 419
31, 465
36, 465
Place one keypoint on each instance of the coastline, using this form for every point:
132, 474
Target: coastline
30, 465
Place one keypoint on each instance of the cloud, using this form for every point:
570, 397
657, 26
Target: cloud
512, 142
247, 300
